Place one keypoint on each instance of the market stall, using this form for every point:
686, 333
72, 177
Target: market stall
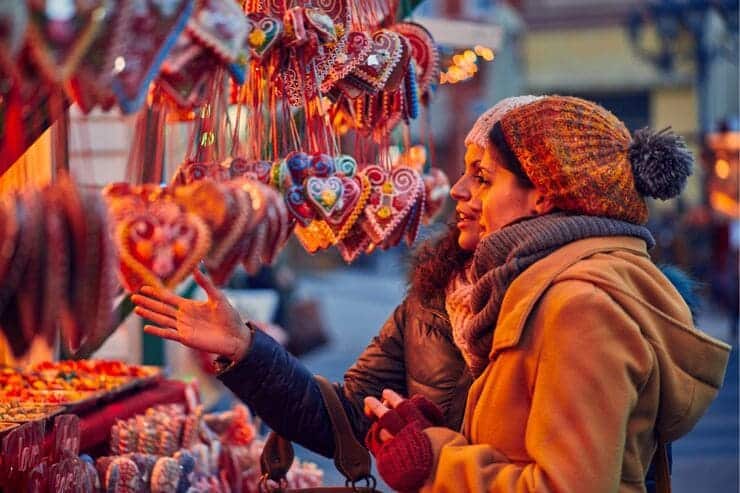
300, 124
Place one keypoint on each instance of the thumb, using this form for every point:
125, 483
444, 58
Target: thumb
206, 283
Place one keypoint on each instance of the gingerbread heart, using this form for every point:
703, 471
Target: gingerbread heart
424, 53
155, 25
357, 48
160, 247
384, 67
352, 203
60, 37
322, 165
257, 169
221, 26
186, 87
355, 242
416, 216
299, 166
391, 198
437, 188
190, 172
322, 23
298, 205
265, 33
316, 236
345, 165
324, 193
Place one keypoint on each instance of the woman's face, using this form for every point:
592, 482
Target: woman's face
468, 209
497, 193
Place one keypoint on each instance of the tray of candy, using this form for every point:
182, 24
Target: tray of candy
16, 411
72, 400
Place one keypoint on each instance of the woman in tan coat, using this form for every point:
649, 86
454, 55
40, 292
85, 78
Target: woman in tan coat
585, 357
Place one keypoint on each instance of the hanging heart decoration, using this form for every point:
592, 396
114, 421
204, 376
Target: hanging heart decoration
345, 165
322, 165
298, 205
60, 37
160, 247
299, 166
255, 169
315, 236
356, 191
186, 87
264, 34
391, 198
384, 66
416, 216
437, 188
324, 193
355, 242
156, 25
221, 26
424, 53
357, 48
190, 172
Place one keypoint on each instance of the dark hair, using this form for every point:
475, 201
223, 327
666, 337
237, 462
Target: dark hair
510, 161
433, 265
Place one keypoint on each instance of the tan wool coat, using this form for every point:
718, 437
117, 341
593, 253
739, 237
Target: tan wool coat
594, 356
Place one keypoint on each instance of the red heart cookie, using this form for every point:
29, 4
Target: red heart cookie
391, 198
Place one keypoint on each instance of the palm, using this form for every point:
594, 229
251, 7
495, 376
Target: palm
213, 325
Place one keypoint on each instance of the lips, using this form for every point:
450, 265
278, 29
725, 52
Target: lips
464, 216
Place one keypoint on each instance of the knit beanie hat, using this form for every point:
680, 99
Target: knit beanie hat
584, 160
478, 135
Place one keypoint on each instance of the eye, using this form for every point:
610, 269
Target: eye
481, 179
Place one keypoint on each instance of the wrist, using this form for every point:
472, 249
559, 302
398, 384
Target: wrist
242, 343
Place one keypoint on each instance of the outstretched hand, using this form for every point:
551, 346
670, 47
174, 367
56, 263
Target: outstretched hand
213, 325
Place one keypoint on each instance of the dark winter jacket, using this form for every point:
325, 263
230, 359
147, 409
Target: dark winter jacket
413, 354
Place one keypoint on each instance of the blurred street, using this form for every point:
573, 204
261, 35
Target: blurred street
356, 302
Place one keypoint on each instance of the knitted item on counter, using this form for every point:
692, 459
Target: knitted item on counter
478, 135
583, 159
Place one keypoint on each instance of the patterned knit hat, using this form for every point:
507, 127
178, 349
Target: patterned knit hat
584, 160
478, 135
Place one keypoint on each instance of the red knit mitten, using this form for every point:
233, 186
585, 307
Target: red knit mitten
405, 461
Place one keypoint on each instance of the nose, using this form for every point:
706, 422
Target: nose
460, 191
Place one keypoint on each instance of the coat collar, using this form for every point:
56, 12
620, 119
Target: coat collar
530, 285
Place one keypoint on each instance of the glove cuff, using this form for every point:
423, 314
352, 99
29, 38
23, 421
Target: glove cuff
406, 461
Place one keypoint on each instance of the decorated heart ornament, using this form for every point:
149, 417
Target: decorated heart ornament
156, 25
315, 236
264, 34
424, 53
355, 193
355, 242
60, 37
324, 193
299, 166
186, 87
391, 198
298, 205
191, 171
357, 47
161, 247
221, 26
345, 165
437, 188
383, 69
255, 169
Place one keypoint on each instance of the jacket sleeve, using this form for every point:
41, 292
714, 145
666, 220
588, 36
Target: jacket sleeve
592, 365
282, 391
380, 366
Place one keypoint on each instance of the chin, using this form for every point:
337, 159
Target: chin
467, 242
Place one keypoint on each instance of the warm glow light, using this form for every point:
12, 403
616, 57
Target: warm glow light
456, 73
458, 60
722, 169
470, 57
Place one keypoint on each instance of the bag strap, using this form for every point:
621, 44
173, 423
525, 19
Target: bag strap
662, 472
350, 457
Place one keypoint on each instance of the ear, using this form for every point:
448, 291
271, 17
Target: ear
540, 204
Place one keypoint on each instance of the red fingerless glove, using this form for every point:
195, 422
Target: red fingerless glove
405, 461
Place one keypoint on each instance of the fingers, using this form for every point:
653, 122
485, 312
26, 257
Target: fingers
155, 317
154, 305
205, 282
171, 334
374, 408
392, 397
162, 295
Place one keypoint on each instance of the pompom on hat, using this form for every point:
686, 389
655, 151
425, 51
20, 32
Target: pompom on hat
584, 160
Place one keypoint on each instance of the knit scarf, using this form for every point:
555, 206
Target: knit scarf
473, 298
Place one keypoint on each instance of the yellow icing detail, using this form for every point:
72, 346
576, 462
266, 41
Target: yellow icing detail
257, 37
387, 187
384, 212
